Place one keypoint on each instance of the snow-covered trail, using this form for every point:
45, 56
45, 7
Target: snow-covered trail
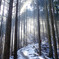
28, 52
31, 52
20, 55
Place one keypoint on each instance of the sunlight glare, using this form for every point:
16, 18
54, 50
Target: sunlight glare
25, 53
26, 4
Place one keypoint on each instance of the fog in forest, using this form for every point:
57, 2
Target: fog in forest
29, 24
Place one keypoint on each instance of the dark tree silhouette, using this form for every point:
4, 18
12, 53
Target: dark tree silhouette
56, 28
8, 32
39, 38
0, 4
15, 41
53, 31
49, 35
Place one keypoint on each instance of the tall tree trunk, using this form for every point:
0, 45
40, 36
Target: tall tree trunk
21, 35
11, 44
2, 28
8, 32
53, 31
24, 31
2, 21
57, 31
26, 28
15, 41
34, 22
43, 27
39, 38
49, 35
0, 4
19, 46
55, 21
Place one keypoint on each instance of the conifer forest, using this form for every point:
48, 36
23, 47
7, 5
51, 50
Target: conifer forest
29, 29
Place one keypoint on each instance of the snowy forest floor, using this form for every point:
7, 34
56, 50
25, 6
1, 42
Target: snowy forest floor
31, 51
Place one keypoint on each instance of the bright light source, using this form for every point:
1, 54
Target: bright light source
26, 5
25, 53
